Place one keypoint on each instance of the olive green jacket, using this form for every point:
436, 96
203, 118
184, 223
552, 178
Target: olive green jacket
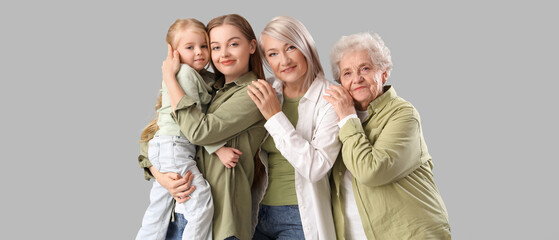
232, 117
393, 185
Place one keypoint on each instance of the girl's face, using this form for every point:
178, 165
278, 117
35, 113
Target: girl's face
287, 62
231, 51
193, 49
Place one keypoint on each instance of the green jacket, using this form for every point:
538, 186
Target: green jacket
393, 185
234, 118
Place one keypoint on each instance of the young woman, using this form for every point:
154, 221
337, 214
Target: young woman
303, 137
232, 117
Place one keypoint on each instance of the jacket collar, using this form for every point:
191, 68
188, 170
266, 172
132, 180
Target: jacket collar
312, 94
380, 102
243, 80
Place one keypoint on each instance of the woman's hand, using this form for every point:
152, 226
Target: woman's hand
228, 156
171, 65
264, 96
341, 100
179, 187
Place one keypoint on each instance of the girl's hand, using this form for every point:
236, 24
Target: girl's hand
264, 96
228, 156
179, 187
171, 65
341, 100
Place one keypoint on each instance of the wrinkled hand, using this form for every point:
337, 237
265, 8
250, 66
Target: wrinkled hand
228, 156
171, 65
264, 96
341, 100
179, 187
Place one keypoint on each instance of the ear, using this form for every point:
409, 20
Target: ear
384, 77
252, 46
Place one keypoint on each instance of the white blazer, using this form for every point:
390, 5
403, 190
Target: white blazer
311, 148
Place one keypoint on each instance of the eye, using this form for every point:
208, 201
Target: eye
204, 46
234, 44
189, 47
272, 54
215, 48
364, 69
291, 48
347, 74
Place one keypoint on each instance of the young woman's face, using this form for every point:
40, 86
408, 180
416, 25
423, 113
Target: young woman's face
193, 49
287, 62
230, 51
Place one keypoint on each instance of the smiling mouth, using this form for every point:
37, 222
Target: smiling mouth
288, 70
227, 63
359, 88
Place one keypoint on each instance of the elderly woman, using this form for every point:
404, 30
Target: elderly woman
383, 187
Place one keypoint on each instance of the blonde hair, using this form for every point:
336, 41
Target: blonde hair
178, 26
255, 61
370, 41
293, 32
152, 127
182, 25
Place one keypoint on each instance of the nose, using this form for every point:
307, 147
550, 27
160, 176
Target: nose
358, 78
225, 52
285, 59
198, 51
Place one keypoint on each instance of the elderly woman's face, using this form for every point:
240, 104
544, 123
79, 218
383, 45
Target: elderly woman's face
360, 79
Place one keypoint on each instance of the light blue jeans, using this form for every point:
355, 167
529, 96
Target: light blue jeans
176, 154
279, 222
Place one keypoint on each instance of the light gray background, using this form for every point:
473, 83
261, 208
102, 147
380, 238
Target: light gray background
79, 81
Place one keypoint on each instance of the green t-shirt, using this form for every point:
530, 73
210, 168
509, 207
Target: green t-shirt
281, 175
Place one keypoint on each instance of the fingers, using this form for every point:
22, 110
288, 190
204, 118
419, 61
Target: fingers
255, 95
169, 51
188, 177
181, 200
237, 151
264, 87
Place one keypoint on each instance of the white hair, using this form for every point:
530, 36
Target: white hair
370, 41
293, 32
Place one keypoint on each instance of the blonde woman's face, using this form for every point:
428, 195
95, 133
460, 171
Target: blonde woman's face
230, 51
358, 76
287, 62
193, 49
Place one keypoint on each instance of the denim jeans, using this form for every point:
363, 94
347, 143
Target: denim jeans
279, 222
176, 154
176, 228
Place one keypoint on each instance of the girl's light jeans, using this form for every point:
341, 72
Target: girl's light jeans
176, 154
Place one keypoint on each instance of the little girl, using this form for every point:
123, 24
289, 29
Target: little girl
170, 151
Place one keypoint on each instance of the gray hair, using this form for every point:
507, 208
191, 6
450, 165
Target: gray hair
370, 41
293, 32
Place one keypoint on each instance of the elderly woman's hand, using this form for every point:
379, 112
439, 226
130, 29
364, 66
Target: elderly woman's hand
341, 100
264, 96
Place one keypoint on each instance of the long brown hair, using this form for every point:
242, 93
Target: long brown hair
178, 26
255, 61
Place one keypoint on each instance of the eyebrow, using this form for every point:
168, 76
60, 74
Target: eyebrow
274, 49
228, 40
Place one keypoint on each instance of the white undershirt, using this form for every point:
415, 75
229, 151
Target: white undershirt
353, 227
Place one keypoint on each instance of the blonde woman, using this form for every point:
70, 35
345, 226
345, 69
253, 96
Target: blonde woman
302, 145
